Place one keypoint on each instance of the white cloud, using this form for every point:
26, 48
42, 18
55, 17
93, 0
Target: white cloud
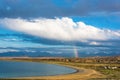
60, 29
94, 43
8, 50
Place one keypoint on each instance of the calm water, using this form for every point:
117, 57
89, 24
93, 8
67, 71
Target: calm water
9, 69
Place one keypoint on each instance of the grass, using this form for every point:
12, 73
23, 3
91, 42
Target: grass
111, 73
108, 74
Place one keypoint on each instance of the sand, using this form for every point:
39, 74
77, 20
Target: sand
86, 74
78, 75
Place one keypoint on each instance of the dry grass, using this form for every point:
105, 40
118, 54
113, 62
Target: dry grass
91, 71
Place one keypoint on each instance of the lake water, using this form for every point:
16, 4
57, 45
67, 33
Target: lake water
9, 69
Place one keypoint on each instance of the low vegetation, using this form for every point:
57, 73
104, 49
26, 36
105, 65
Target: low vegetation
108, 66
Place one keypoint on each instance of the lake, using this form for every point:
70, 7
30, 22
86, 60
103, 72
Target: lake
10, 69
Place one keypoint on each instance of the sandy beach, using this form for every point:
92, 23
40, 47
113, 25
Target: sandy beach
85, 75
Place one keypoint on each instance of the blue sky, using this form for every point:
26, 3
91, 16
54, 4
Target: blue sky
92, 24
111, 22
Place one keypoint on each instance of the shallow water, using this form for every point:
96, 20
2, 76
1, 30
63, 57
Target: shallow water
9, 69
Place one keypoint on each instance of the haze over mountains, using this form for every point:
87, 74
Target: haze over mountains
19, 45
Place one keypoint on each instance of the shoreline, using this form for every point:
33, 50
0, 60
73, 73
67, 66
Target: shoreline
77, 75
76, 71
86, 74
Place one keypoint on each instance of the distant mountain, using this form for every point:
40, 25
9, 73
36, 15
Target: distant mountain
47, 54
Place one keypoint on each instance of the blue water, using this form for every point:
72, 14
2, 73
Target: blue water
9, 69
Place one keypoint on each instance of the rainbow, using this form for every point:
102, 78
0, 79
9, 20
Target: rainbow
76, 52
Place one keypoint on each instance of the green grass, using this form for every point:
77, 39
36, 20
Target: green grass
111, 73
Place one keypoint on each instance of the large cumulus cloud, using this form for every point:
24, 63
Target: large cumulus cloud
64, 29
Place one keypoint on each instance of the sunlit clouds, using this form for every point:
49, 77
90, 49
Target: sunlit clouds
64, 29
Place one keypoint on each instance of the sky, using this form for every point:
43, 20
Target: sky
67, 26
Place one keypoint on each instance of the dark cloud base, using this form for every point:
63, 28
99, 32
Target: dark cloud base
40, 40
60, 49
